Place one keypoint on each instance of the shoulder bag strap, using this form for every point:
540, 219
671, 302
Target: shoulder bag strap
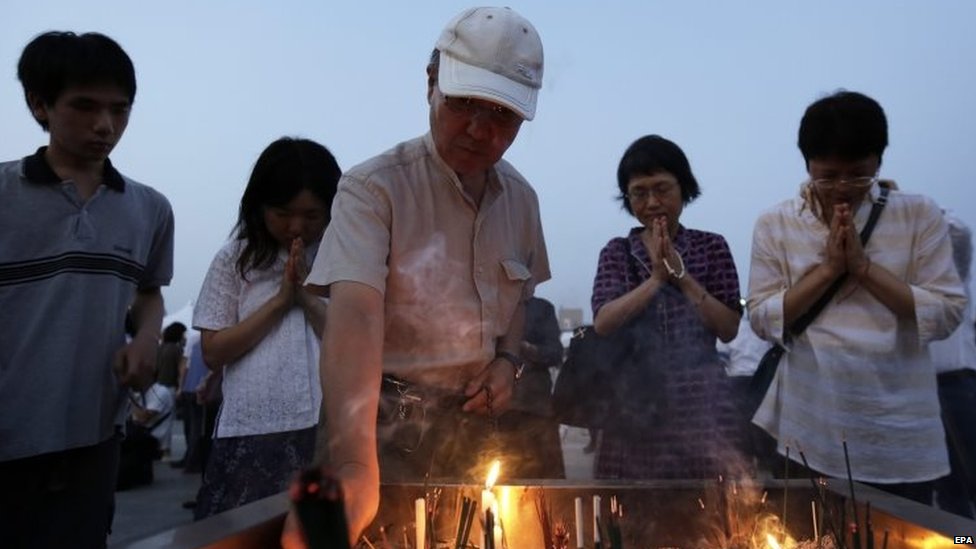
801, 323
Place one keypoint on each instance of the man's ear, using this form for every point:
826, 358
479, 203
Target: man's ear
431, 82
37, 106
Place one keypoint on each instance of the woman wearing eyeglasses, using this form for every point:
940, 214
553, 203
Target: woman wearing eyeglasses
860, 373
677, 289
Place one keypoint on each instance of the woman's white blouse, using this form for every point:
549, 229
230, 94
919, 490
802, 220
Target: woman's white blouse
274, 387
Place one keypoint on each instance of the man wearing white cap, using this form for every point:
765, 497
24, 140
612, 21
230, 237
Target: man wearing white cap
433, 248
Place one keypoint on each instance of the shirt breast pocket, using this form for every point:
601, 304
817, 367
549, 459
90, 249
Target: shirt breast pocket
515, 275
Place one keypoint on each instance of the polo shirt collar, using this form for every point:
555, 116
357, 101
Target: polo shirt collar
37, 170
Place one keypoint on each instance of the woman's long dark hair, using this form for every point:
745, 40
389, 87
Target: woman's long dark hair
285, 168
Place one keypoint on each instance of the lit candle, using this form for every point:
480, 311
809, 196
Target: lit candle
488, 504
420, 508
596, 521
579, 523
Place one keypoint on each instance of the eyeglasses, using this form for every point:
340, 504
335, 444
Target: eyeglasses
469, 106
853, 183
661, 191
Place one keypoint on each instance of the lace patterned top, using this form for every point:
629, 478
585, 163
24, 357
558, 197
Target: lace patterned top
274, 387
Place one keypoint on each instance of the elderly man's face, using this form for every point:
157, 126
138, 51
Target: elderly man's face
471, 135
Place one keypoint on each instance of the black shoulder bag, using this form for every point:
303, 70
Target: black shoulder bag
763, 378
610, 381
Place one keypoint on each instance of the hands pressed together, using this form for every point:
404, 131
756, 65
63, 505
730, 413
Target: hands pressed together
662, 253
844, 252
292, 291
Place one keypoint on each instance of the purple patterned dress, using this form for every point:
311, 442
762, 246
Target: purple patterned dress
698, 432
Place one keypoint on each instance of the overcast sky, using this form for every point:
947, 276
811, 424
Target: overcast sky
727, 81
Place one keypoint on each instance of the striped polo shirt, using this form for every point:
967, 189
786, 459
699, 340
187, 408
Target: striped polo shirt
69, 269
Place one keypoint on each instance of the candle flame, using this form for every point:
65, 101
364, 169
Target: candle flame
771, 540
493, 474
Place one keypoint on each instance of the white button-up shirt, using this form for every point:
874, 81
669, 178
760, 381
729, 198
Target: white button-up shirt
858, 372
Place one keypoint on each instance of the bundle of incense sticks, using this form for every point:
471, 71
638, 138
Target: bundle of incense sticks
489, 529
839, 536
317, 498
468, 510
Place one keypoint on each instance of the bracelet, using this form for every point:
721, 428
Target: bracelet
676, 274
515, 360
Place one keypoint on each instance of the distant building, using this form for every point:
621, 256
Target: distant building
570, 317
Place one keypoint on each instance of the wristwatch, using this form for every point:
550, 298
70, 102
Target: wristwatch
515, 360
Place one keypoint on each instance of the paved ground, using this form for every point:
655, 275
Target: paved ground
146, 510
143, 511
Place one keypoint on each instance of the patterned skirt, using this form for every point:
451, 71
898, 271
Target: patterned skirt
245, 469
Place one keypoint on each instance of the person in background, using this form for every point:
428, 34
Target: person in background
434, 247
155, 410
81, 246
192, 370
529, 425
860, 374
955, 366
681, 287
169, 355
261, 328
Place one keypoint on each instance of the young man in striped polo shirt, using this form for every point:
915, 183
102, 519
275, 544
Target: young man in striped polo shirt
81, 246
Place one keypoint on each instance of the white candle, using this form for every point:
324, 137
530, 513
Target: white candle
596, 519
579, 523
420, 508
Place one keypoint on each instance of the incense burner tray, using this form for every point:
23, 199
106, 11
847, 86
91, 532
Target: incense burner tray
656, 514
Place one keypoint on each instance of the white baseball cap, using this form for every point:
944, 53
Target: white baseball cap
494, 54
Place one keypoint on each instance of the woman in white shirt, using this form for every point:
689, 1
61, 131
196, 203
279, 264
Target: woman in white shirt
262, 328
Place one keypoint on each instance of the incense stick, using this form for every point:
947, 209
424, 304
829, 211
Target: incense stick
813, 511
460, 542
869, 528
855, 538
786, 489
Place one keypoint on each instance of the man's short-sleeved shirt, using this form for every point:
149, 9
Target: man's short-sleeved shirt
68, 272
451, 272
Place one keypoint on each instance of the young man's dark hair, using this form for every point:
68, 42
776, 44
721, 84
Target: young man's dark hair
847, 124
54, 61
653, 154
